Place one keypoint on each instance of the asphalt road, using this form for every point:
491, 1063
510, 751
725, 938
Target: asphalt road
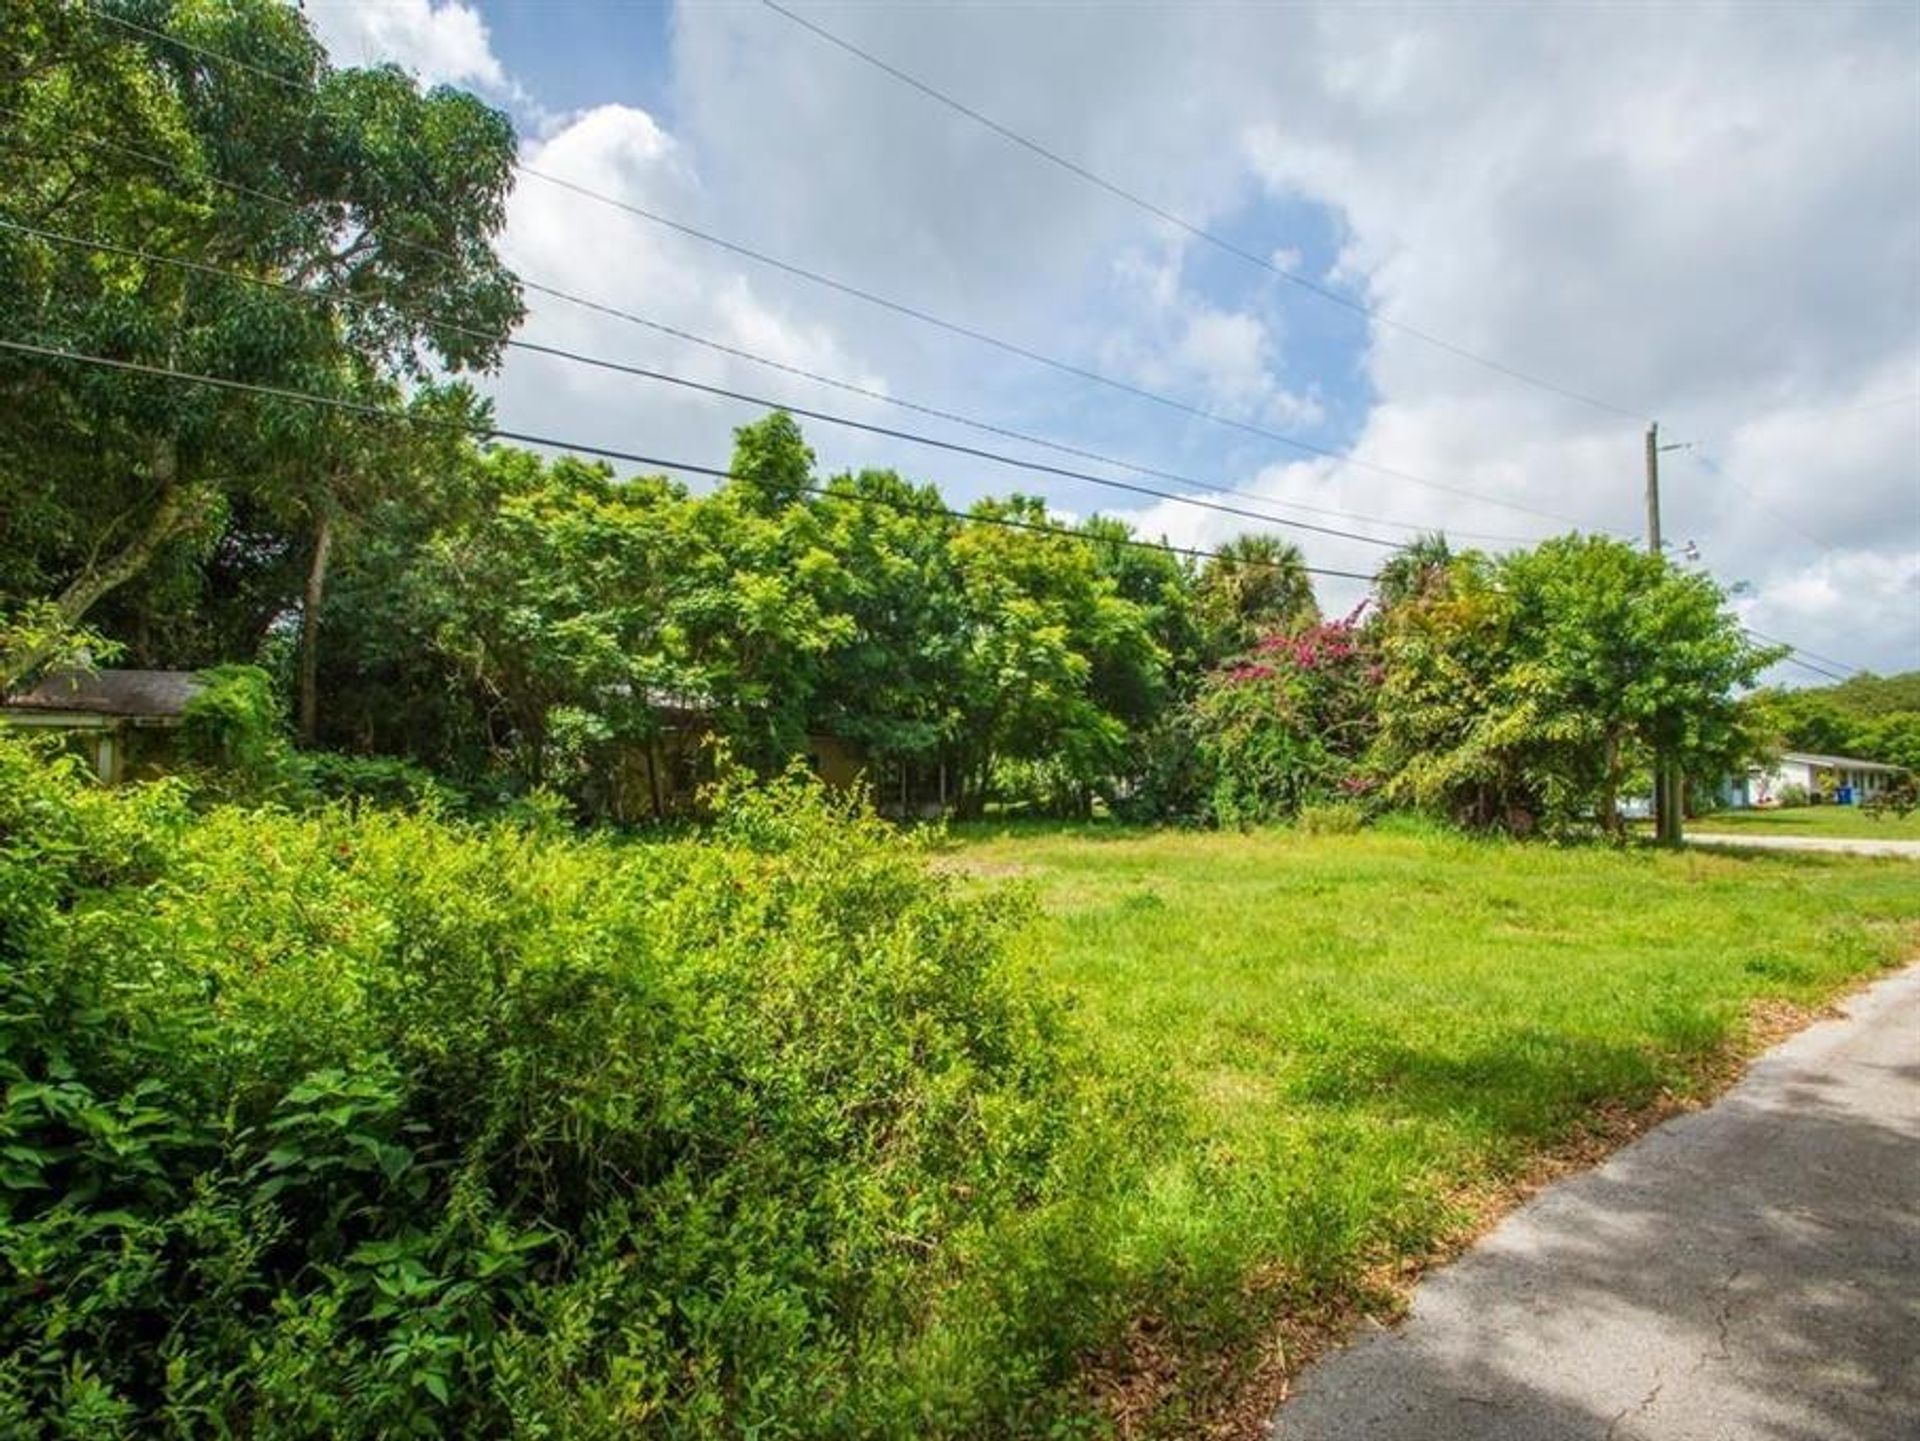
1750, 1272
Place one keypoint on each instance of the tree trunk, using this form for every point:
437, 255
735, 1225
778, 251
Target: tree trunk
179, 509
1610, 790
311, 600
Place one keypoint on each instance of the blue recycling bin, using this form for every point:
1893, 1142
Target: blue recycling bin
1844, 796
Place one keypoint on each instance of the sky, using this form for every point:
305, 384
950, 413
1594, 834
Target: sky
1524, 232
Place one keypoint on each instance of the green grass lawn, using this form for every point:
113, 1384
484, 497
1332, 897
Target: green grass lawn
1370, 1037
1814, 821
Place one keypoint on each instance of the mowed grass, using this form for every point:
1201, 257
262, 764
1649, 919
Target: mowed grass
1369, 1038
1849, 821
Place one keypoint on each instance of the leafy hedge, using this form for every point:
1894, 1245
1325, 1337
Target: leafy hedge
361, 1123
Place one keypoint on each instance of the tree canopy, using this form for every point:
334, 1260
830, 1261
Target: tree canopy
359, 213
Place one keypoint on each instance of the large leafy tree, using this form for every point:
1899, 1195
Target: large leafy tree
1536, 685
891, 680
1875, 717
1050, 645
370, 204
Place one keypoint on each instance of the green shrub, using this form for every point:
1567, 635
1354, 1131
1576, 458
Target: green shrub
381, 780
1284, 727
1339, 819
375, 1124
233, 736
1793, 795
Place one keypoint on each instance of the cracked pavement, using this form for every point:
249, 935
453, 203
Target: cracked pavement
1749, 1272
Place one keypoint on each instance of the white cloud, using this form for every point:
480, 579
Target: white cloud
1846, 608
446, 43
1717, 223
1175, 341
570, 242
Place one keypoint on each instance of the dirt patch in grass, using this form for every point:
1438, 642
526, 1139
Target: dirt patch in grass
1152, 1385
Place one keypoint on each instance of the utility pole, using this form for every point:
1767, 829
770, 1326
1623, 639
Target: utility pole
1669, 787
1653, 487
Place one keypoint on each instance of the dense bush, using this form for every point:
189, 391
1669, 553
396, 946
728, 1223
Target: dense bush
359, 1124
233, 736
381, 780
1530, 689
1283, 727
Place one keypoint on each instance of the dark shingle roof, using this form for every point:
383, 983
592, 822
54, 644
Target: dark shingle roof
110, 692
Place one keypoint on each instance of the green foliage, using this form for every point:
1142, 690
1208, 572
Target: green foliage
363, 1124
1528, 689
1793, 794
35, 636
1285, 726
233, 735
1253, 585
1339, 818
1416, 571
1900, 800
182, 514
378, 780
572, 620
1873, 717
1373, 1036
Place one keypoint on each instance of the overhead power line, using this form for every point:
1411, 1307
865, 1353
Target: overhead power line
602, 452
1065, 367
1780, 517
1793, 658
646, 373
991, 428
868, 392
910, 311
1198, 232
1803, 651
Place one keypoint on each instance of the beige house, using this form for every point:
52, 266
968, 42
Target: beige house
121, 720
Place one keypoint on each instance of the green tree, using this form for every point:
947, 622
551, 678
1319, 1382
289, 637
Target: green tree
1253, 585
1413, 570
373, 203
1873, 717
1534, 686
548, 599
1041, 621
890, 681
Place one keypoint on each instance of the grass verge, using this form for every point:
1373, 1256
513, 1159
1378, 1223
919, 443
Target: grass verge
1381, 1041
1838, 821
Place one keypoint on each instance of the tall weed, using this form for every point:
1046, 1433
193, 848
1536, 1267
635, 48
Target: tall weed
362, 1123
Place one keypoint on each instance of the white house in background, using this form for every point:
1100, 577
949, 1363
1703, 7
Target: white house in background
1853, 780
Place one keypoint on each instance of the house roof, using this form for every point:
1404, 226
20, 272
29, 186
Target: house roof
135, 693
1852, 763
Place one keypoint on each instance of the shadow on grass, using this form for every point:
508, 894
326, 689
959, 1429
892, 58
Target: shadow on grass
1002, 828
1755, 1275
1528, 1087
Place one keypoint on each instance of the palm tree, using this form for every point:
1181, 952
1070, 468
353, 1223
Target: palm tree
1253, 585
1413, 571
